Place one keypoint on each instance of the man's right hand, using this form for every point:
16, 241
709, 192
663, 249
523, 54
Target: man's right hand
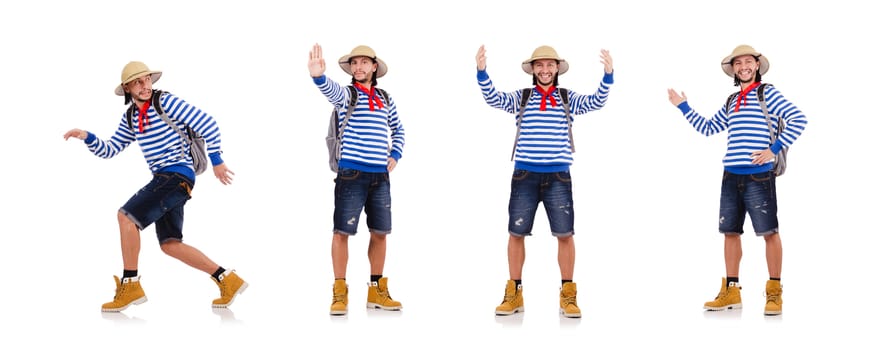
676, 99
316, 63
481, 58
80, 134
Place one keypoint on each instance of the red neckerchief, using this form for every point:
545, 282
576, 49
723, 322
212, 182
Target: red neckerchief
373, 99
143, 116
545, 95
743, 95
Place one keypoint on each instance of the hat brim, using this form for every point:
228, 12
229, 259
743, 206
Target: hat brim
345, 63
726, 64
155, 75
564, 66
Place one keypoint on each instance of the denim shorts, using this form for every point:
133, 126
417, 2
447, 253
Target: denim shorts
355, 191
553, 189
161, 202
754, 195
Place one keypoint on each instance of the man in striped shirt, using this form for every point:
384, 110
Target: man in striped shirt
748, 184
372, 145
161, 202
543, 154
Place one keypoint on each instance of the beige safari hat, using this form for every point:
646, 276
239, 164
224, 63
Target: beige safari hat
545, 52
345, 61
132, 71
742, 50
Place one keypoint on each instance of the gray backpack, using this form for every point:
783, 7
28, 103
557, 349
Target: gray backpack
780, 164
527, 92
335, 132
197, 143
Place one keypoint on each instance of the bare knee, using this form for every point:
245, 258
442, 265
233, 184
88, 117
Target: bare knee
377, 237
170, 247
564, 240
123, 220
340, 237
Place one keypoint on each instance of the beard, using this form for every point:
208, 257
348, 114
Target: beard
544, 82
139, 99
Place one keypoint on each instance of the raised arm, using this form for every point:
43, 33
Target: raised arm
703, 125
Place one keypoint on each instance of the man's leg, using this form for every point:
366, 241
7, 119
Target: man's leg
732, 215
129, 290
566, 256
169, 233
773, 255
516, 256
189, 255
513, 300
377, 250
378, 218
732, 254
130, 242
763, 209
350, 196
339, 255
568, 290
339, 270
561, 215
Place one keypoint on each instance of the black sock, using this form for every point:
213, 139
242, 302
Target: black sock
130, 273
518, 282
374, 278
775, 278
731, 279
562, 282
217, 274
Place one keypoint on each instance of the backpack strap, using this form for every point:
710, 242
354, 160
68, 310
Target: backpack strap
384, 95
524, 98
155, 101
564, 96
129, 113
729, 100
181, 133
351, 105
773, 133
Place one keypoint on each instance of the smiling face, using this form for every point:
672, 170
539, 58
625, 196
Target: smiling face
362, 68
544, 71
745, 68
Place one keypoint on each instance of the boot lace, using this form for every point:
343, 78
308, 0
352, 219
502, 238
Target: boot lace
509, 298
384, 294
569, 300
772, 297
119, 293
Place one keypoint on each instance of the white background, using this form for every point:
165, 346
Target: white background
646, 185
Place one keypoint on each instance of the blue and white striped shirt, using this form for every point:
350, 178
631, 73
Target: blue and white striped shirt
543, 140
366, 145
160, 144
747, 128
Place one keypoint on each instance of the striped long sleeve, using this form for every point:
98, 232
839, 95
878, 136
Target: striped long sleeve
371, 136
543, 138
160, 144
747, 128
